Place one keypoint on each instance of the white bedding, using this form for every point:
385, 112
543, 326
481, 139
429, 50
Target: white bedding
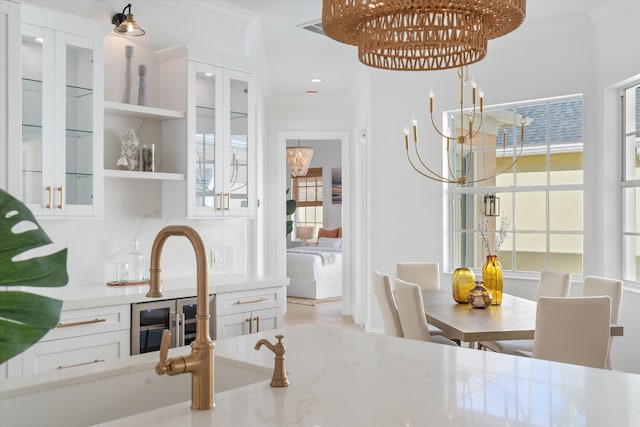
314, 272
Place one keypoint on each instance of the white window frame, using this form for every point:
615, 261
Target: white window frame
456, 256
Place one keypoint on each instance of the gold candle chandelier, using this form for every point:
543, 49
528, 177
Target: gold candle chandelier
420, 34
469, 125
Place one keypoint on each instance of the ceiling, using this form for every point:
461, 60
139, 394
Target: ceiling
293, 55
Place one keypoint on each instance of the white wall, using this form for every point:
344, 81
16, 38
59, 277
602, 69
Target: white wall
299, 118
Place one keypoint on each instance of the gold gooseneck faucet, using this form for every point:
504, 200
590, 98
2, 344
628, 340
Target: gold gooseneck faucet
279, 373
200, 361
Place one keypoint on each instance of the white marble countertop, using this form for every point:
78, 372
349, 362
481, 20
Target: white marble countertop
99, 294
347, 378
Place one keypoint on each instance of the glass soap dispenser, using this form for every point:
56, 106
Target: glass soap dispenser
135, 262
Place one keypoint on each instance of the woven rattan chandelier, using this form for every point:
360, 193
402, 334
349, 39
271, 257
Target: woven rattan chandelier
418, 35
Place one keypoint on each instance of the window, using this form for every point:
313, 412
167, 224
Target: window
630, 185
307, 192
541, 195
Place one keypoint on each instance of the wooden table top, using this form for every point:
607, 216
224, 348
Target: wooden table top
514, 319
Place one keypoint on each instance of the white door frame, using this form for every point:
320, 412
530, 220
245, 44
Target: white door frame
344, 137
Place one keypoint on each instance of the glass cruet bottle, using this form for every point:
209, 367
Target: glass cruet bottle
135, 262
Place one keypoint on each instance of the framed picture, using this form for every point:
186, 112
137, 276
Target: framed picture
336, 186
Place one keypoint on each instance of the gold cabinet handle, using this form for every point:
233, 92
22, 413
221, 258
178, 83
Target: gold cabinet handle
50, 191
61, 204
219, 207
257, 319
80, 364
250, 300
250, 324
228, 208
84, 322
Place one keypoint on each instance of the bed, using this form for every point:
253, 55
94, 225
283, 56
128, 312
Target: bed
315, 271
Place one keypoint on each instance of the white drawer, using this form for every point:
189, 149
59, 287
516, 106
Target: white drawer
86, 321
76, 351
250, 300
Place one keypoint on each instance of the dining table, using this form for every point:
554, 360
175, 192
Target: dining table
513, 319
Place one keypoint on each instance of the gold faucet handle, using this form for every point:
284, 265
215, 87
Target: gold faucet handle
164, 345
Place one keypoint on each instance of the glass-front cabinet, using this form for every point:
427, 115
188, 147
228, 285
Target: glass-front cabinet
221, 143
61, 110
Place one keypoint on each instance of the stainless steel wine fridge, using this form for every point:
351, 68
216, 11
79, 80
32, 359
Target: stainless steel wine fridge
149, 319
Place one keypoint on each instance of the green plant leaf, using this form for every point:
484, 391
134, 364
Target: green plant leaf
289, 226
26, 317
291, 206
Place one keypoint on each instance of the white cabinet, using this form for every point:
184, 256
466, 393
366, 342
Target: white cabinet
59, 159
82, 337
249, 311
220, 155
221, 142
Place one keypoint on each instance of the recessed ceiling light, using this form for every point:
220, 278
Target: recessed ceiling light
315, 80
39, 39
208, 74
312, 92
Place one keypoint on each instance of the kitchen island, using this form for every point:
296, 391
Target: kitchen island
348, 378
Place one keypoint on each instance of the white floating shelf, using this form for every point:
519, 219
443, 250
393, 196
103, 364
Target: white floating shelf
141, 111
158, 176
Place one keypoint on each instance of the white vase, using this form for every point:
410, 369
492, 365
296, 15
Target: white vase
128, 55
130, 146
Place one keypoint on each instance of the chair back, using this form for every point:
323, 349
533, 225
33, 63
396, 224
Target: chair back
387, 303
594, 285
573, 330
424, 274
411, 311
553, 284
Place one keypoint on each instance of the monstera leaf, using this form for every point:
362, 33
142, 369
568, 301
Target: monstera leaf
25, 317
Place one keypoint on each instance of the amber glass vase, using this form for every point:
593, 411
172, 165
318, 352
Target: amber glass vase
492, 278
462, 282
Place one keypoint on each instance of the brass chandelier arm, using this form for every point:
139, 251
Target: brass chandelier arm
502, 170
435, 177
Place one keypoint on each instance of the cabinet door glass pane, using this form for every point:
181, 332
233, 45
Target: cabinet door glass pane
79, 126
238, 162
32, 100
205, 140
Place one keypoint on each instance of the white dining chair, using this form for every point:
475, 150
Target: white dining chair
594, 285
387, 303
412, 315
573, 330
424, 274
551, 284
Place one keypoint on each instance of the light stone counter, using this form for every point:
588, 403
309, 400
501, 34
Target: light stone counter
99, 294
347, 378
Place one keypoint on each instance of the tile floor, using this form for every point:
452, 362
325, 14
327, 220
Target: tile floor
325, 314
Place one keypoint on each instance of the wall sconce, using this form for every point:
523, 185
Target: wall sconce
125, 24
304, 233
491, 205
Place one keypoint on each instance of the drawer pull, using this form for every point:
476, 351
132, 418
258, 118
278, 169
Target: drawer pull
80, 364
250, 300
84, 322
